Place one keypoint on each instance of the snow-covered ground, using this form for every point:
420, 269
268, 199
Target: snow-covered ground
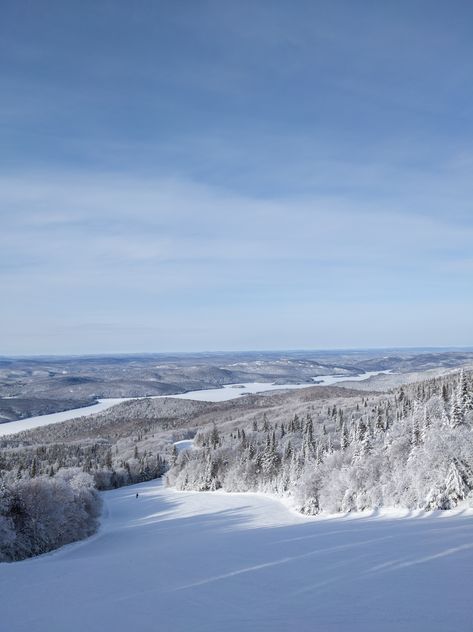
207, 562
185, 444
230, 391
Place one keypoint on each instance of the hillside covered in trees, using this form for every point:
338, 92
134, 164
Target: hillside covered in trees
327, 449
411, 448
41, 513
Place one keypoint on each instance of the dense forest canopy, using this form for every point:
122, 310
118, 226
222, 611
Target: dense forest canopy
413, 448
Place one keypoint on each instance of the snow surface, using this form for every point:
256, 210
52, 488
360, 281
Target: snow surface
230, 391
212, 562
185, 444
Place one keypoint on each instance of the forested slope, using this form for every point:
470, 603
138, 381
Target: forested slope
411, 448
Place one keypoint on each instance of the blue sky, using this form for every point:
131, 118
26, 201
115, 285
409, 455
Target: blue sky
235, 175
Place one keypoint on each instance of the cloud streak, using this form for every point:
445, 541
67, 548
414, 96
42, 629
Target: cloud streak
80, 247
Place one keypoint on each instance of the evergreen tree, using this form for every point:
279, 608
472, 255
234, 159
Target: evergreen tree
288, 451
270, 458
344, 438
415, 430
426, 423
456, 413
265, 423
463, 393
456, 488
214, 437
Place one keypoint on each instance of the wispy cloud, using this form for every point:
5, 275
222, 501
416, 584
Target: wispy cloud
174, 251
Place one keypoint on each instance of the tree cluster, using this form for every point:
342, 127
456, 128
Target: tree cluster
412, 449
109, 467
43, 513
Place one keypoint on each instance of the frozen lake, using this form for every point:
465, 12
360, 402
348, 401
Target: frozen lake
233, 391
55, 418
230, 391
212, 562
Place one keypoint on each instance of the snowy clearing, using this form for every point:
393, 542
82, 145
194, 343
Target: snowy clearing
208, 562
184, 444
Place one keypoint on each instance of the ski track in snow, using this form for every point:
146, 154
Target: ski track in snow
205, 562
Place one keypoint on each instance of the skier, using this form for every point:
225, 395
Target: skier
136, 495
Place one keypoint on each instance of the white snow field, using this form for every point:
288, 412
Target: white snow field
184, 444
205, 562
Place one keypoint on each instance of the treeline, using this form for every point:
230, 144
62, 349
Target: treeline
43, 513
104, 462
126, 444
413, 449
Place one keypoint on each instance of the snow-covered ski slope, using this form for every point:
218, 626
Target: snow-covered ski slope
204, 562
